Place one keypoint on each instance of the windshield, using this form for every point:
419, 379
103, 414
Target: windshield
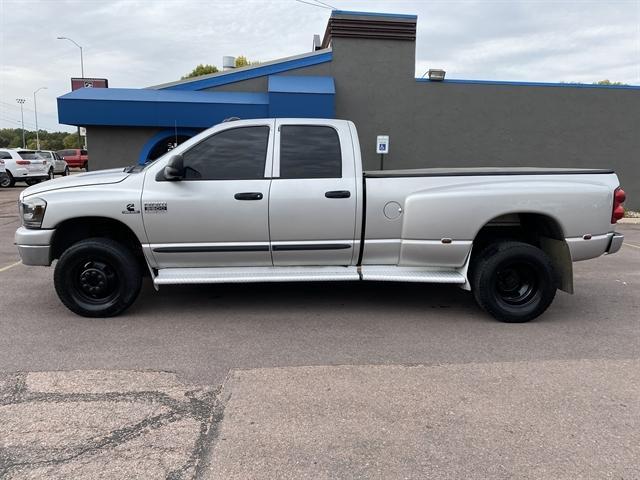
44, 154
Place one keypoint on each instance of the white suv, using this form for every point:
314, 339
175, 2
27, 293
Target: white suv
24, 165
4, 178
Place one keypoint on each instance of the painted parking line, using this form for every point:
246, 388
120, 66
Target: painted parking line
631, 245
3, 269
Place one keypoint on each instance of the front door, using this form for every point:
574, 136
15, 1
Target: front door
312, 205
218, 214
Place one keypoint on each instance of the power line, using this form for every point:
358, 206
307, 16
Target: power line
323, 3
11, 105
28, 124
315, 5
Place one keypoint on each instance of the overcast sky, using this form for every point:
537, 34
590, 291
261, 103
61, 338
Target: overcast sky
141, 43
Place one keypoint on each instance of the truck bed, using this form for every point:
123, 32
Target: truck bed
480, 171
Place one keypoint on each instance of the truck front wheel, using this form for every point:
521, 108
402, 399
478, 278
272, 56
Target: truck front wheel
513, 281
97, 277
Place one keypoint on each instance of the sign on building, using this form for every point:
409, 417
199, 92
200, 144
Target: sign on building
382, 144
77, 83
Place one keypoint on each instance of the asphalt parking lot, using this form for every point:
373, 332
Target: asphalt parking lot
320, 380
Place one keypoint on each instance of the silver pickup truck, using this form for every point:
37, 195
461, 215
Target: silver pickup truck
287, 200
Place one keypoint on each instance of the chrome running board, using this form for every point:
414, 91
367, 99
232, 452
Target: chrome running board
182, 276
384, 273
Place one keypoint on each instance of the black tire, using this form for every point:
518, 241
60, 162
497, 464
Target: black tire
97, 277
51, 174
6, 180
31, 181
86, 166
513, 281
66, 171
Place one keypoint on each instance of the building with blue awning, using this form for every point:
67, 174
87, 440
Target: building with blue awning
363, 69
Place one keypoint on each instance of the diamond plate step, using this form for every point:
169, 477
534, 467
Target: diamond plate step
182, 276
392, 273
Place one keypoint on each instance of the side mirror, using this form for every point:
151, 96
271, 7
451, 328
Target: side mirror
174, 170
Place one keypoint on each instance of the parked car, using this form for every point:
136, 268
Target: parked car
23, 165
75, 158
285, 200
4, 178
60, 166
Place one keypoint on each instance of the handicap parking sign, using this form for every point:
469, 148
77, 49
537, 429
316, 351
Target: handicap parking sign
382, 145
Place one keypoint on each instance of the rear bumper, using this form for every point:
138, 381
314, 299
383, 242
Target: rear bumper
21, 173
616, 243
75, 163
34, 246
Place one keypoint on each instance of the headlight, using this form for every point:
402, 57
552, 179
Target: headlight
32, 211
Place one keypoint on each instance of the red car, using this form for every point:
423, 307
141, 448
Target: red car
75, 158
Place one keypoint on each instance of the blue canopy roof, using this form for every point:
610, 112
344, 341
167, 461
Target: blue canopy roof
301, 84
293, 96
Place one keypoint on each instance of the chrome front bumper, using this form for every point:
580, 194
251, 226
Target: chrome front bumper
616, 243
35, 255
34, 246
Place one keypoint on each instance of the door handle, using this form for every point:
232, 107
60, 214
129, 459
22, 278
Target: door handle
338, 194
248, 196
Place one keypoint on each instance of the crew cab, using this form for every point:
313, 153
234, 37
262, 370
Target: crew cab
287, 200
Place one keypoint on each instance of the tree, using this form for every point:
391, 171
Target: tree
201, 69
241, 61
608, 82
12, 138
70, 141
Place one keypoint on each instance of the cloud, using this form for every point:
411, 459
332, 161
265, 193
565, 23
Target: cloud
142, 43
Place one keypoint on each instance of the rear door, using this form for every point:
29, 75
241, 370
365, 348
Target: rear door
312, 201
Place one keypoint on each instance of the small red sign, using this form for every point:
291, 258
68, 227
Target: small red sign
77, 83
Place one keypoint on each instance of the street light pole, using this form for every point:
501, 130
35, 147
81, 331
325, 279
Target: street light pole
35, 107
21, 102
81, 74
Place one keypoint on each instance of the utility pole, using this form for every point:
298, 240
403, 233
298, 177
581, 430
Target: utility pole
35, 107
21, 102
82, 76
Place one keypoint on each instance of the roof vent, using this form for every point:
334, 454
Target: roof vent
317, 43
228, 63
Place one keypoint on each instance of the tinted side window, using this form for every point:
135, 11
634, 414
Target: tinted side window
66, 153
309, 151
83, 152
235, 154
